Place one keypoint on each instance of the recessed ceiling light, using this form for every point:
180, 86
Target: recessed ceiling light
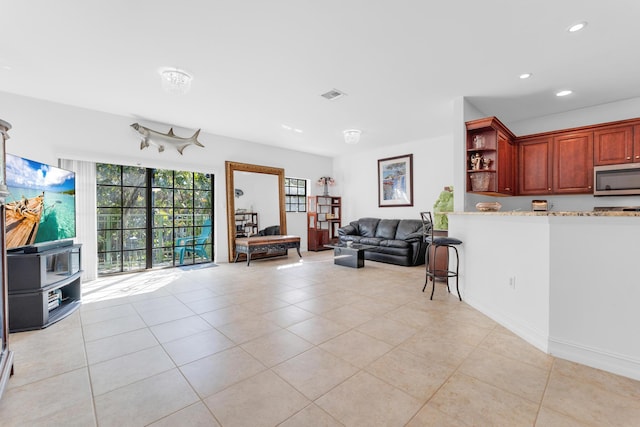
525, 75
564, 93
577, 27
287, 127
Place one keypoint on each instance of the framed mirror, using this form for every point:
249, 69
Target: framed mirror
231, 168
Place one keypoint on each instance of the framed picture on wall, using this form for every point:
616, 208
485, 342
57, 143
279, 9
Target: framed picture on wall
395, 181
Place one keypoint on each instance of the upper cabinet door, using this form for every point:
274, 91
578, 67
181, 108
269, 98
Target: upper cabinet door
506, 165
614, 145
534, 166
573, 163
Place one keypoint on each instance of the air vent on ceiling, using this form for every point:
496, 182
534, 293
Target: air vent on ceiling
333, 94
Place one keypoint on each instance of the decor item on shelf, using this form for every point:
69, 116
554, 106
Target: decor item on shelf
175, 81
326, 181
395, 181
480, 181
158, 139
478, 141
486, 163
443, 204
352, 136
488, 206
476, 160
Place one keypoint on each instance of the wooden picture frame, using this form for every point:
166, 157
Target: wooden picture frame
395, 181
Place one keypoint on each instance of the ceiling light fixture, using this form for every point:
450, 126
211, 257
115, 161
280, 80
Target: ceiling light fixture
525, 75
564, 93
577, 27
175, 81
352, 136
333, 94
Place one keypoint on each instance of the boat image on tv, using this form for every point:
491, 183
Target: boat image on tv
41, 205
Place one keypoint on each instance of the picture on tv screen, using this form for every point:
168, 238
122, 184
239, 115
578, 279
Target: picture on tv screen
41, 205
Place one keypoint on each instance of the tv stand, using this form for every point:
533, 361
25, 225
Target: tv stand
43, 247
44, 286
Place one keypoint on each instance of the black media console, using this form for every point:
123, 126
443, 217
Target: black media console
44, 286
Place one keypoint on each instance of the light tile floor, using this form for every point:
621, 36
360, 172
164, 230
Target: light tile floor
295, 343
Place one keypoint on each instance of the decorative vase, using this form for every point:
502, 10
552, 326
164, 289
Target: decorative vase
326, 189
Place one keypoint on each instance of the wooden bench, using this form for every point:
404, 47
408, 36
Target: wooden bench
266, 244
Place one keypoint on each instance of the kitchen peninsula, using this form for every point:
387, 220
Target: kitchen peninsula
566, 282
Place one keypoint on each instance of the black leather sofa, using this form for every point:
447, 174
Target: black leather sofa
396, 241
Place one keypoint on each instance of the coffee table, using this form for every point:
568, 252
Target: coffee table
349, 256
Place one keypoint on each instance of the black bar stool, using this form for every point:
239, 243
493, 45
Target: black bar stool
438, 242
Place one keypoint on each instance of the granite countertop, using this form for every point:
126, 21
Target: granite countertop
549, 213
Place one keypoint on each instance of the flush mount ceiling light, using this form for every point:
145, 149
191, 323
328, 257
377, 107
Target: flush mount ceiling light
564, 93
577, 27
524, 76
352, 136
175, 81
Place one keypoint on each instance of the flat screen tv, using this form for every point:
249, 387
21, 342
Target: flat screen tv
41, 205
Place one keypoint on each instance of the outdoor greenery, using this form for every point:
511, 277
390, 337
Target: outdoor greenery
144, 211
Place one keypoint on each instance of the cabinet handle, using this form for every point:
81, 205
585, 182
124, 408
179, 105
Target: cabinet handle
589, 187
637, 157
549, 188
507, 188
629, 158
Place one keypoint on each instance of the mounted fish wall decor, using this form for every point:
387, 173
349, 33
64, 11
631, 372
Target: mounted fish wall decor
160, 140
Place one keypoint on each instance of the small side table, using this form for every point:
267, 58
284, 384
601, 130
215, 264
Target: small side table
349, 256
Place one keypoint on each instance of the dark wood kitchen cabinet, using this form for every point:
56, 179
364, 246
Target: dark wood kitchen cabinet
559, 163
534, 166
490, 159
572, 171
616, 144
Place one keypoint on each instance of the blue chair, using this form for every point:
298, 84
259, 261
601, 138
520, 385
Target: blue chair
194, 244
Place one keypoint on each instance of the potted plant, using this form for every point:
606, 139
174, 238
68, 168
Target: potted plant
443, 204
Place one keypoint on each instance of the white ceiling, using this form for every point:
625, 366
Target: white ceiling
259, 64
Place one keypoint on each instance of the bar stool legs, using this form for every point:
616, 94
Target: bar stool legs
433, 272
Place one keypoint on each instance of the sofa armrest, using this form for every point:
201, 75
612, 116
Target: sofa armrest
347, 230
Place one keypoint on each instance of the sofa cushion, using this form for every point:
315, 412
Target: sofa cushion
394, 243
408, 229
387, 228
367, 226
374, 241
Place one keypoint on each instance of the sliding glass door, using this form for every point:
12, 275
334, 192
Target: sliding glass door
151, 218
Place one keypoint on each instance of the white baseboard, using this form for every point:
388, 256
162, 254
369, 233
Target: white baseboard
596, 358
536, 338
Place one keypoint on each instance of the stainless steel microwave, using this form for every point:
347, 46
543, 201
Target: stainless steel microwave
616, 180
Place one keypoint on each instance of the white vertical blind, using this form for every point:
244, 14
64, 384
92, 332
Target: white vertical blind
86, 218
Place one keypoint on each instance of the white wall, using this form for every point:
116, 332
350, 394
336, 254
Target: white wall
594, 292
357, 178
566, 284
504, 270
47, 131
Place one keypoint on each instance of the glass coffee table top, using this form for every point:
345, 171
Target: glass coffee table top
354, 246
